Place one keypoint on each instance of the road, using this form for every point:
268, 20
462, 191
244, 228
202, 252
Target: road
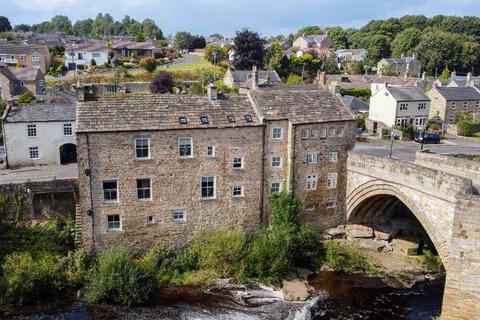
405, 150
39, 173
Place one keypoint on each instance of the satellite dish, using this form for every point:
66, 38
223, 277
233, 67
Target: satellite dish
44, 91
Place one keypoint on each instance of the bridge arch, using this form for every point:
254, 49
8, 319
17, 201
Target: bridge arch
367, 201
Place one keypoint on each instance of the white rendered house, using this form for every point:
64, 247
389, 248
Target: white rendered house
82, 54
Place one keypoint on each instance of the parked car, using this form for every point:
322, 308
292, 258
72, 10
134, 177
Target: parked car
2, 154
427, 137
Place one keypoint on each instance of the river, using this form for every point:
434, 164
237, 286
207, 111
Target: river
336, 297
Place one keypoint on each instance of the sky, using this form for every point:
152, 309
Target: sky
269, 17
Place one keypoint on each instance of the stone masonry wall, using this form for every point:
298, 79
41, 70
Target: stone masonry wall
175, 185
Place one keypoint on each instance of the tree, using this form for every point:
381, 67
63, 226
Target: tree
139, 37
162, 83
22, 27
445, 74
378, 48
151, 30
294, 79
405, 42
149, 64
310, 30
249, 50
196, 42
215, 54
25, 97
437, 49
339, 37
181, 40
93, 63
5, 25
61, 24
83, 27
275, 60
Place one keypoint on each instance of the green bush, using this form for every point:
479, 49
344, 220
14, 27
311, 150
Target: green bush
149, 64
465, 128
76, 265
294, 79
220, 251
346, 259
25, 97
361, 93
408, 132
26, 279
432, 262
119, 278
93, 62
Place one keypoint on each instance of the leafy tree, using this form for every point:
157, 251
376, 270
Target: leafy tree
310, 30
93, 63
388, 70
5, 25
139, 37
149, 64
418, 22
465, 128
294, 79
196, 42
405, 42
162, 83
437, 49
103, 25
61, 24
22, 27
215, 54
216, 35
339, 37
445, 74
181, 40
151, 30
249, 50
378, 48
275, 60
25, 97
83, 27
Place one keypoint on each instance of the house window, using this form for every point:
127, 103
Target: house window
452, 119
179, 215
311, 182
33, 151
237, 163
453, 105
477, 104
150, 219
330, 204
312, 158
276, 161
304, 133
276, 187
422, 106
40, 83
185, 147
339, 132
144, 189
22, 83
231, 119
237, 191
35, 58
248, 118
208, 187
333, 156
332, 180
22, 58
323, 133
67, 129
32, 130
309, 207
403, 106
114, 222
277, 133
313, 133
211, 151
95, 54
183, 120
465, 104
204, 119
110, 191
420, 121
332, 132
142, 148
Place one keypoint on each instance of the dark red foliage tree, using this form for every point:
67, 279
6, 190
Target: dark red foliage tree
162, 83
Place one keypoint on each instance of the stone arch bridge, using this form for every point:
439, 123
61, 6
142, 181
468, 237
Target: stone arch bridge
441, 191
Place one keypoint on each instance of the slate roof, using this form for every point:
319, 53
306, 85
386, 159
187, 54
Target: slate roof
354, 103
41, 112
17, 74
21, 49
134, 45
459, 93
407, 93
136, 112
87, 47
315, 39
300, 104
240, 76
365, 81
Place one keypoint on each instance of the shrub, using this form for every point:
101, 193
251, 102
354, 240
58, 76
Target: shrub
432, 262
196, 88
465, 128
220, 251
163, 263
294, 79
149, 64
25, 97
408, 132
93, 63
346, 259
361, 93
121, 71
119, 278
162, 83
76, 265
29, 280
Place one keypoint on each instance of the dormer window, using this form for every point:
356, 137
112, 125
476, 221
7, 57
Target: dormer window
204, 119
248, 118
231, 119
183, 120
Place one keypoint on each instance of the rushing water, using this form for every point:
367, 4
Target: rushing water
337, 297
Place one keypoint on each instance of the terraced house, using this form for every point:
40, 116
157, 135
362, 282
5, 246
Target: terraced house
25, 56
157, 169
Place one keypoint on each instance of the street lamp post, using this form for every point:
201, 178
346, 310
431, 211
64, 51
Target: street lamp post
422, 135
392, 136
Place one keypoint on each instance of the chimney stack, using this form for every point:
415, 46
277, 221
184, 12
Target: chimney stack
254, 78
469, 79
322, 78
212, 92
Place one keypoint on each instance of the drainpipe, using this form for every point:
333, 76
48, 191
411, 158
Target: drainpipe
292, 160
262, 191
90, 212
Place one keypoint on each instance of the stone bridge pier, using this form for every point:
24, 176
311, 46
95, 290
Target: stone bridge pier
444, 200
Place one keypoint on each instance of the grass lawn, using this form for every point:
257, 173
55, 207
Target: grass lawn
476, 135
201, 64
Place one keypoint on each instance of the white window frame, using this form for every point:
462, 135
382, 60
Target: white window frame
67, 129
333, 156
422, 106
305, 133
36, 58
22, 58
176, 213
22, 84
214, 188
148, 149
185, 145
279, 162
453, 105
452, 119
150, 189
210, 151
33, 151
312, 182
477, 104
312, 158
465, 104
277, 133
117, 200
332, 180
339, 132
403, 107
31, 130
280, 186
323, 133
119, 228
313, 133
332, 132
234, 162
242, 189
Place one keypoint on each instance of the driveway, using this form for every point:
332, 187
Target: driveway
184, 60
39, 173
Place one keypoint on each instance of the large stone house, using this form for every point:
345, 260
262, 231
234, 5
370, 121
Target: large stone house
137, 50
399, 106
25, 56
313, 41
40, 133
403, 66
158, 169
83, 54
14, 81
245, 79
448, 101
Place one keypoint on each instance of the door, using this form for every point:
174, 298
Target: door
68, 153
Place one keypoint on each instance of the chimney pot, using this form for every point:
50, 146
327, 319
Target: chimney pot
212, 92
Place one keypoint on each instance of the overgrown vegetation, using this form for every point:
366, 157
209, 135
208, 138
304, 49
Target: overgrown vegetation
361, 93
25, 97
432, 261
346, 259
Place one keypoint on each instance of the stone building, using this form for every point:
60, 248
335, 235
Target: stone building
158, 169
25, 56
403, 66
446, 102
14, 81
